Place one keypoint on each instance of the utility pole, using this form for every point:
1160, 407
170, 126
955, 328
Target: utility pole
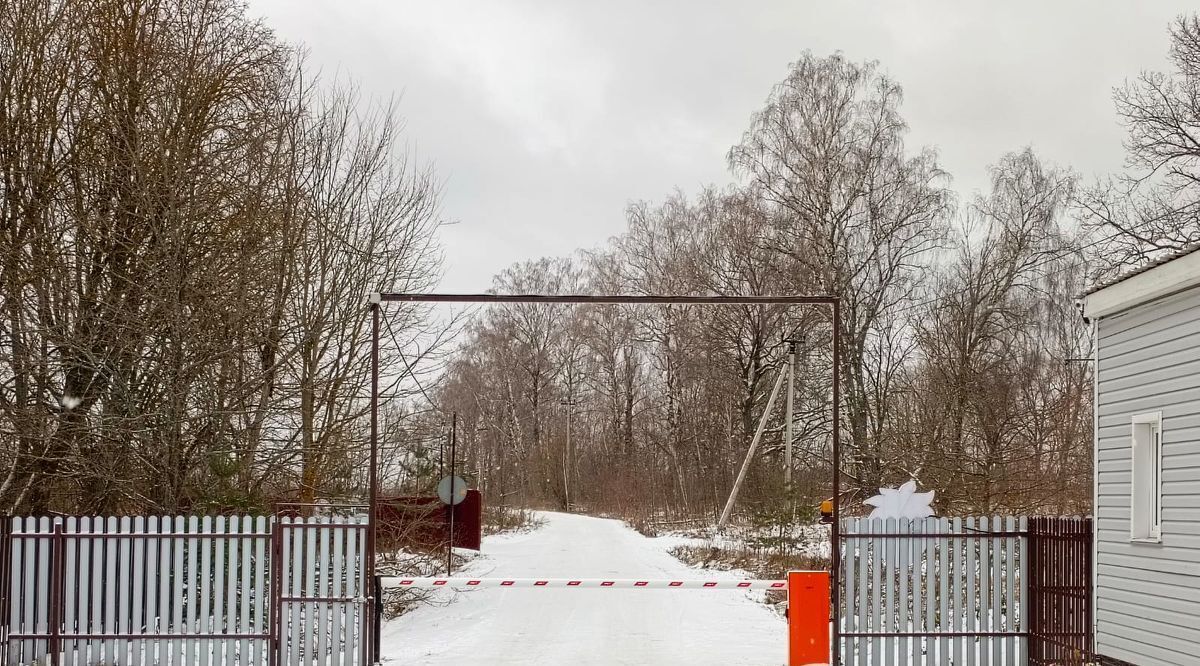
568, 455
453, 492
762, 425
787, 437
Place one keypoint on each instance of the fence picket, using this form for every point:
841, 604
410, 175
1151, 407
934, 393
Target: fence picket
83, 588
41, 561
99, 551
259, 621
204, 649
943, 589
1010, 607
996, 582
954, 600
972, 619
167, 600
889, 590
862, 552
22, 611
295, 569
1026, 579
217, 611
148, 649
244, 587
289, 577
20, 563
355, 559
848, 615
930, 542
69, 590
185, 568
321, 571
240, 588
135, 573
310, 589
902, 621
107, 590
918, 564
877, 553
337, 590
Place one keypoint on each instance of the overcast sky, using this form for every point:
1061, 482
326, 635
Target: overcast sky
544, 119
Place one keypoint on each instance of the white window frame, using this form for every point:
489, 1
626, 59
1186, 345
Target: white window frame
1146, 430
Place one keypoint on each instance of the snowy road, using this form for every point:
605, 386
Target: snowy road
573, 626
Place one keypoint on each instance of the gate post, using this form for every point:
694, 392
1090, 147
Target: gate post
808, 617
55, 611
275, 601
377, 617
5, 582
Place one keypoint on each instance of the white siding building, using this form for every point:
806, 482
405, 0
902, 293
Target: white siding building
1147, 504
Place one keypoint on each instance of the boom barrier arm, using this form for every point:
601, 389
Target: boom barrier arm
807, 596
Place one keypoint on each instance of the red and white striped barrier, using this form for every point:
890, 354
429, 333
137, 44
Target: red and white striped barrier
583, 583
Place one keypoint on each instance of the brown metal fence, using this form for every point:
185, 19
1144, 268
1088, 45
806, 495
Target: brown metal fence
1060, 591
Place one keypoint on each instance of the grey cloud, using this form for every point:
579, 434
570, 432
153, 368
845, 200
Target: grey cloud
545, 119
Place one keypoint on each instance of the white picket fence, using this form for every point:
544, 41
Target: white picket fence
181, 590
938, 591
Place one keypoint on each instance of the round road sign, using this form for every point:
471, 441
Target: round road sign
452, 490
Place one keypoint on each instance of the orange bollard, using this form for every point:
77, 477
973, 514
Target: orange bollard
808, 618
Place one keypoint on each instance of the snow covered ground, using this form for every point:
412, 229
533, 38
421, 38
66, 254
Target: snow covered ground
586, 626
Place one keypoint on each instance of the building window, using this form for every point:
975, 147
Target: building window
1145, 523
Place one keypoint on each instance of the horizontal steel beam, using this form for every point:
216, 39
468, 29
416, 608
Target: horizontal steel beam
603, 299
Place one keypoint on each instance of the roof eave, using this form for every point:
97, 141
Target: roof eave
1162, 280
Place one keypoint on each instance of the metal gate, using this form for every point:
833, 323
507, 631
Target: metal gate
932, 592
180, 590
1060, 591
135, 590
320, 603
952, 591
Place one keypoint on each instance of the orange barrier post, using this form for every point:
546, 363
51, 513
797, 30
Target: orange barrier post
808, 618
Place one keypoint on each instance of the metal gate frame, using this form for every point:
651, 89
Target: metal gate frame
957, 534
57, 632
280, 635
54, 572
377, 299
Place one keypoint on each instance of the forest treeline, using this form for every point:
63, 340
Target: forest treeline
964, 361
191, 222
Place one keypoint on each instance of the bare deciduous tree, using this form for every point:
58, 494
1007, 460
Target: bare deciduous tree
1155, 207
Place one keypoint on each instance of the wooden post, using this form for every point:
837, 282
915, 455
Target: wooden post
808, 618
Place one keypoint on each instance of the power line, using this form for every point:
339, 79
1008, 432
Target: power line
408, 369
